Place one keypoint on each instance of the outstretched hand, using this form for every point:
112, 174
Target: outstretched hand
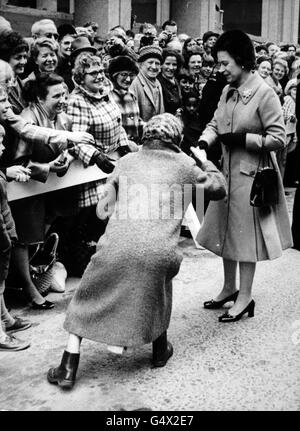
18, 173
199, 155
81, 138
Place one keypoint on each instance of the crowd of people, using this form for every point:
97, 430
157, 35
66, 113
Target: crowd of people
152, 107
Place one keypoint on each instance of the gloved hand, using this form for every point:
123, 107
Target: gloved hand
103, 162
233, 139
123, 150
203, 145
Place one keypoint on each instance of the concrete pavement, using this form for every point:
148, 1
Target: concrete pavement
253, 364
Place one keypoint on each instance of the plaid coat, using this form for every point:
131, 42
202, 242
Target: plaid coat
101, 117
131, 120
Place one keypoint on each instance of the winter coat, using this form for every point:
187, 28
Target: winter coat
125, 295
232, 228
7, 225
140, 89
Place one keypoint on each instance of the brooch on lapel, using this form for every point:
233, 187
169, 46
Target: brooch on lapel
247, 94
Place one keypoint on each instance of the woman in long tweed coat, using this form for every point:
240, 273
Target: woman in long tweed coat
125, 296
248, 119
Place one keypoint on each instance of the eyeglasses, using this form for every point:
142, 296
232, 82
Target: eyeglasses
125, 75
51, 35
95, 73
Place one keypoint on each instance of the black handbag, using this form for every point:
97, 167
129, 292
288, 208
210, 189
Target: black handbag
264, 191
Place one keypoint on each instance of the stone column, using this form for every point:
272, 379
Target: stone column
162, 11
280, 20
107, 13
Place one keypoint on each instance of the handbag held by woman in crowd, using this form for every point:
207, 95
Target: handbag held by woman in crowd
41, 264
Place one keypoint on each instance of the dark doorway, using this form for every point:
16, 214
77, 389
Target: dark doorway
243, 14
144, 11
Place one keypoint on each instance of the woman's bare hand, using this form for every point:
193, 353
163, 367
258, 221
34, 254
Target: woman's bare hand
81, 138
18, 173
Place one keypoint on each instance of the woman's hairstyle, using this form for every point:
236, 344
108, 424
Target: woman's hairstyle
282, 63
263, 58
239, 46
11, 44
38, 89
208, 60
3, 90
6, 72
185, 74
171, 53
196, 51
185, 48
84, 61
163, 127
43, 42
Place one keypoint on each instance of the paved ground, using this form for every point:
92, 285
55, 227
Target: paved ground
248, 365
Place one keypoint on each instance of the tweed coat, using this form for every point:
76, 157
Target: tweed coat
125, 295
140, 89
232, 228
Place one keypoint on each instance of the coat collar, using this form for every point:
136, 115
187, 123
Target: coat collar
108, 87
146, 87
247, 89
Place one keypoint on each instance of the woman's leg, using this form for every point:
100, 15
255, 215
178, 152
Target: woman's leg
65, 374
247, 271
73, 345
2, 324
162, 350
6, 319
20, 264
229, 286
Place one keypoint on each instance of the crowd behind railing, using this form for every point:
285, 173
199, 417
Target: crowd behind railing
68, 94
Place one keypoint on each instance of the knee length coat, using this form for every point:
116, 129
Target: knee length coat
125, 295
232, 228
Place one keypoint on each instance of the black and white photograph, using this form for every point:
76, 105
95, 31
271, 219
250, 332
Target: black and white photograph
149, 208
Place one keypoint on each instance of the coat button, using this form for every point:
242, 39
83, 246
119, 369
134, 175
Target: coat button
228, 123
252, 173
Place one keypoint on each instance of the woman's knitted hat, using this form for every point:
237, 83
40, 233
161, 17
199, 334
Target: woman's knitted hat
164, 127
291, 83
120, 64
150, 51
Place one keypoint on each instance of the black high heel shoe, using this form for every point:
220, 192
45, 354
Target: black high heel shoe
214, 305
47, 305
249, 309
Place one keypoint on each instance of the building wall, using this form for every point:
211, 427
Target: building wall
195, 17
280, 18
107, 13
22, 19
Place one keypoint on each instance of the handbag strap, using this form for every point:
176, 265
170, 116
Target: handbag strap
265, 157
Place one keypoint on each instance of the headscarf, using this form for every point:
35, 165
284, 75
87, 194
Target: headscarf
165, 128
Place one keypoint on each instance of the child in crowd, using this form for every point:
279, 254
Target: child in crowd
186, 81
8, 235
189, 115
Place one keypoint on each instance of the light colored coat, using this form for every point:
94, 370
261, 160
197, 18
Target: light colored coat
142, 92
125, 295
232, 228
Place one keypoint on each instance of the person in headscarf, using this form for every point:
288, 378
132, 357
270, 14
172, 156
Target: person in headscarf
125, 295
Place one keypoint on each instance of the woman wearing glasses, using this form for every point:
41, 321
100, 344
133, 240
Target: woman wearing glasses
92, 109
122, 71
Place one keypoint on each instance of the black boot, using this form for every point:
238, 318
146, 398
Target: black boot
65, 374
162, 350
